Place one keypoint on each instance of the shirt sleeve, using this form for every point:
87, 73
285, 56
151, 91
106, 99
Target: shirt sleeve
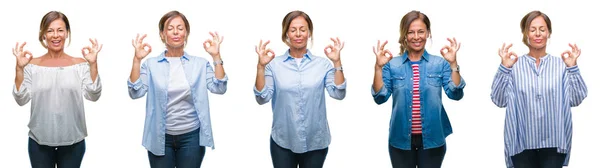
453, 91
217, 86
386, 90
22, 95
576, 88
139, 88
92, 89
335, 91
502, 86
263, 96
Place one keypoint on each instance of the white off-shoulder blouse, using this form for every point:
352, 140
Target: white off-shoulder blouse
57, 114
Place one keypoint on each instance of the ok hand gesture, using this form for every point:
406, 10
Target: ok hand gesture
91, 53
263, 53
140, 47
22, 58
382, 55
570, 57
509, 58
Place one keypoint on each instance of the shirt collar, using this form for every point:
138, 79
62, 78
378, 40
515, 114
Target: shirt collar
530, 58
425, 56
162, 56
308, 55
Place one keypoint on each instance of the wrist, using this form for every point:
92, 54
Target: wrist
337, 63
378, 68
216, 57
260, 67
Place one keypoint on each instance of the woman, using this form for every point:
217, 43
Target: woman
538, 92
177, 127
55, 83
417, 133
296, 82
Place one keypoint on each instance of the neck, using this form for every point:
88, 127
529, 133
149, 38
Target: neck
297, 52
55, 54
174, 52
415, 55
537, 53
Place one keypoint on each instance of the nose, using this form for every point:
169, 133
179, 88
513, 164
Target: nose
297, 33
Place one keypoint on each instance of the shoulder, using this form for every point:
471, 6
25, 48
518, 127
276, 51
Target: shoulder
77, 60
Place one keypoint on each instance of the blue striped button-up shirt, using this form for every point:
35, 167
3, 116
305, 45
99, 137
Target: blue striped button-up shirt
538, 103
298, 94
154, 80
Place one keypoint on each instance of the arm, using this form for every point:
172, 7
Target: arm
263, 87
382, 84
138, 80
214, 84
22, 85
91, 85
335, 83
576, 88
452, 82
502, 86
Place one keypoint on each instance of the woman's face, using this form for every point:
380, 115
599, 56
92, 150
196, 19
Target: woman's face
537, 33
174, 33
56, 34
298, 33
416, 37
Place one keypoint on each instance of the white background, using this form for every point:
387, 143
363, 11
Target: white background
241, 127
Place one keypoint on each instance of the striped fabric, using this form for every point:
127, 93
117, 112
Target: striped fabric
538, 103
416, 100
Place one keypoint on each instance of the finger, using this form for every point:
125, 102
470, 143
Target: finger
512, 53
389, 54
221, 39
383, 45
212, 35
256, 49
84, 49
265, 44
93, 43
508, 47
444, 50
16, 47
100, 48
137, 37
142, 39
457, 48
338, 42
96, 42
342, 46
334, 42
328, 49
260, 44
22, 46
28, 53
270, 51
374, 52
451, 42
149, 47
567, 53
503, 45
207, 42
378, 45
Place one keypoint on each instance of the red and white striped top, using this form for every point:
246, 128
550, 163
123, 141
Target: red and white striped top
416, 101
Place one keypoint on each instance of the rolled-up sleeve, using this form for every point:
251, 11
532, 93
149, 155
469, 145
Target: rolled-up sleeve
453, 91
386, 90
335, 91
139, 88
216, 86
263, 96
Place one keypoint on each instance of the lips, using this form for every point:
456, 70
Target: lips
537, 40
417, 44
176, 39
55, 42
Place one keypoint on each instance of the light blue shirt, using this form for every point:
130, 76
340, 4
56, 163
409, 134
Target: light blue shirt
538, 103
298, 100
435, 76
154, 80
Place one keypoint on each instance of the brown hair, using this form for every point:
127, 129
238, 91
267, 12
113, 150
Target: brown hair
526, 22
287, 20
167, 18
49, 18
405, 25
